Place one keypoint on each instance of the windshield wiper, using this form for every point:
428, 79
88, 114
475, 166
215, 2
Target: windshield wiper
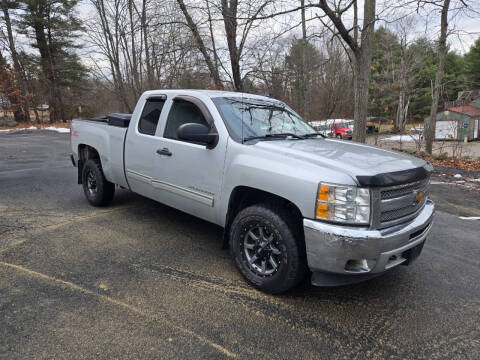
273, 136
310, 135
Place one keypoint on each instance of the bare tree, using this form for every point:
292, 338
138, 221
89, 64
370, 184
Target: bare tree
238, 19
441, 53
200, 44
406, 71
361, 53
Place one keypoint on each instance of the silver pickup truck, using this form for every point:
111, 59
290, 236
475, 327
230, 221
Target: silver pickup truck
291, 202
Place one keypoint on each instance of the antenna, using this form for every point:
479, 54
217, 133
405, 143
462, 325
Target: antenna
242, 119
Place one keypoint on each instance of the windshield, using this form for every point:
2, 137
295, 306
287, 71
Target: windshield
341, 126
260, 118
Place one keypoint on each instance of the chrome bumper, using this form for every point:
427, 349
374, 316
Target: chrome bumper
337, 249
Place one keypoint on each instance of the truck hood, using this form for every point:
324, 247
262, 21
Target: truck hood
349, 157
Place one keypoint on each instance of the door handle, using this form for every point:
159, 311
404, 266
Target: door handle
164, 151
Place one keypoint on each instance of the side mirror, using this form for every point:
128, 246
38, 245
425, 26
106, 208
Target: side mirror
198, 133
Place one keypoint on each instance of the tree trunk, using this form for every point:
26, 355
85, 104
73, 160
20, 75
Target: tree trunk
214, 46
60, 109
16, 65
148, 62
363, 59
229, 12
134, 62
303, 85
442, 51
405, 115
400, 111
47, 70
361, 83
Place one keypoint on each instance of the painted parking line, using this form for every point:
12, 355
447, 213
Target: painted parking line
469, 217
8, 172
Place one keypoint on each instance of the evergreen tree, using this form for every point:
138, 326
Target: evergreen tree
384, 79
303, 58
54, 27
472, 65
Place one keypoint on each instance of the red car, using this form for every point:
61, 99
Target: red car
341, 131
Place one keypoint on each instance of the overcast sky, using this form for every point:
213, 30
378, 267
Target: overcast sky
465, 25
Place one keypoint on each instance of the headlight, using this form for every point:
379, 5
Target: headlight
340, 203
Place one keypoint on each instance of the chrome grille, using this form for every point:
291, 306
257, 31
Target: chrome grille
398, 203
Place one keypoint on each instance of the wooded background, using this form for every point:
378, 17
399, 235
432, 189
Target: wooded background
327, 59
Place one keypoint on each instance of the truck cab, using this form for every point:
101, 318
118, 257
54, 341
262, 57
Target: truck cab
341, 130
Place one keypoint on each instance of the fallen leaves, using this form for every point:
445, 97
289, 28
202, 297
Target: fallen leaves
455, 163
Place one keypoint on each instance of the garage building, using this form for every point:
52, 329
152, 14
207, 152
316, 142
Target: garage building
458, 122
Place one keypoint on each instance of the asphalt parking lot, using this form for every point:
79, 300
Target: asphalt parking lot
140, 280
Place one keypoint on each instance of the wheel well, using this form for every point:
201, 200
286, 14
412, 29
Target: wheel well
244, 196
85, 153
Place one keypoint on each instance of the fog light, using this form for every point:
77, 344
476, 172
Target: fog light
360, 266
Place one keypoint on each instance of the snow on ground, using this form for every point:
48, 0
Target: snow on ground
403, 138
417, 128
49, 128
57, 129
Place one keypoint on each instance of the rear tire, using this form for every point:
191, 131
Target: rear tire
98, 190
339, 137
265, 249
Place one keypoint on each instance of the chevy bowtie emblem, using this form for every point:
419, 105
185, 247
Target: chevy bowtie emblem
419, 197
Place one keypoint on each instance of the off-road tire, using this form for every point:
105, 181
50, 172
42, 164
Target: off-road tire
293, 265
104, 191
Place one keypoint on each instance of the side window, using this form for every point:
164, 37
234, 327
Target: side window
182, 112
150, 115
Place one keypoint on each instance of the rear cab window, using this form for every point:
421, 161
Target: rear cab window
150, 115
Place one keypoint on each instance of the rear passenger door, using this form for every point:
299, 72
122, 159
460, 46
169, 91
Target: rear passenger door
141, 145
188, 175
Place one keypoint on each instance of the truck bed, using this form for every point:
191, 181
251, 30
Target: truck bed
112, 119
107, 135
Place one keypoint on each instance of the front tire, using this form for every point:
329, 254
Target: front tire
98, 190
265, 250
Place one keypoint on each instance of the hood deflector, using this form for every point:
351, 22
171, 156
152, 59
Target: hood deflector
394, 178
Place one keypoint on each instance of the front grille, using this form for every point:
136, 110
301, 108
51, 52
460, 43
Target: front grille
397, 213
400, 202
402, 189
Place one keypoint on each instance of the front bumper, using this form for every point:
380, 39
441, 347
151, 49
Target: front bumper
357, 252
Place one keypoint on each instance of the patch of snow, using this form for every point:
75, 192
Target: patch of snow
49, 128
20, 129
403, 138
457, 176
417, 128
57, 129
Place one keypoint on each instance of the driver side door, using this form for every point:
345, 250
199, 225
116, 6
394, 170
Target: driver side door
188, 175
